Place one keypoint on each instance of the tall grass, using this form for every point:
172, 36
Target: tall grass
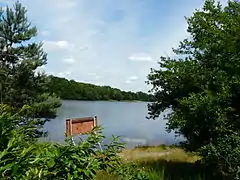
164, 163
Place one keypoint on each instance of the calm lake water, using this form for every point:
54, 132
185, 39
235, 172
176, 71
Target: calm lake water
125, 119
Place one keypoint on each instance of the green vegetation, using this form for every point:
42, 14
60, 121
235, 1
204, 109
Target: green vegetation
21, 157
202, 87
164, 163
25, 107
20, 56
73, 90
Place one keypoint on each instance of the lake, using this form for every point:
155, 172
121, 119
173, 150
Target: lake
125, 119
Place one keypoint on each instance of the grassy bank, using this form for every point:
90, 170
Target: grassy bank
163, 162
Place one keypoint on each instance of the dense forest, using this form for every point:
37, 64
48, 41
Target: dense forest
72, 90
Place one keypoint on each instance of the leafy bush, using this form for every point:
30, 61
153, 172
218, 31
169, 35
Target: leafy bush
201, 86
21, 157
224, 154
130, 172
10, 120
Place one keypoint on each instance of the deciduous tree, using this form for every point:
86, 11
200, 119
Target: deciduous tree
202, 86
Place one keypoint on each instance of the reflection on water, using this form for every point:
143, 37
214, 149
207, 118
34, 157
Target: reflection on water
125, 119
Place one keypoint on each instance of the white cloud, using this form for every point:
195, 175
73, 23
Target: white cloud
40, 69
97, 77
83, 48
69, 61
141, 57
64, 44
66, 4
131, 79
57, 45
93, 75
63, 74
63, 20
128, 81
44, 33
102, 40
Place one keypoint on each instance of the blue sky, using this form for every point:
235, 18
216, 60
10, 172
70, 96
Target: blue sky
108, 42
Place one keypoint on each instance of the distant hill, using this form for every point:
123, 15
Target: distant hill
72, 90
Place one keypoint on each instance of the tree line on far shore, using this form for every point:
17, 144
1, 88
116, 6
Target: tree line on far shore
200, 84
72, 90
26, 105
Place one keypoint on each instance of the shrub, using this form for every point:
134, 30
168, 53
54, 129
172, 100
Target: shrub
201, 86
22, 157
224, 154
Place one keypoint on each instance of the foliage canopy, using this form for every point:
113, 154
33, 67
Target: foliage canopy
21, 83
23, 158
73, 90
202, 85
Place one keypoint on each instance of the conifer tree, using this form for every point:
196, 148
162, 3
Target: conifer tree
20, 57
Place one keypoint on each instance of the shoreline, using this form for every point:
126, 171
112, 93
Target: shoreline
111, 100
